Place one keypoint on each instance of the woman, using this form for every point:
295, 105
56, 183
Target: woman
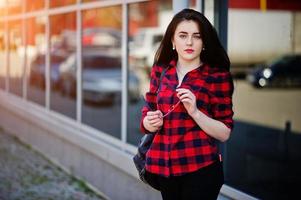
188, 110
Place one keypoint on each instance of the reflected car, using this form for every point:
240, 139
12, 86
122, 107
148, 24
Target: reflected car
38, 66
101, 37
144, 46
284, 71
101, 77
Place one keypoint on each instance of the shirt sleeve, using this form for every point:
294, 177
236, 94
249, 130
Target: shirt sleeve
221, 90
151, 96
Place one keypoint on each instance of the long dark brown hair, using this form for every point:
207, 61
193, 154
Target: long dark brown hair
214, 53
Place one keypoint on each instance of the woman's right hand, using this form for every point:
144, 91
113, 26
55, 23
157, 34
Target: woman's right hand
153, 120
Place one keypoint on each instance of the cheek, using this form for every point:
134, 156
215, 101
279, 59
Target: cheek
198, 48
179, 43
199, 45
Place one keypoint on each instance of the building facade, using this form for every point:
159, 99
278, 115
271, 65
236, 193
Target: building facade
73, 74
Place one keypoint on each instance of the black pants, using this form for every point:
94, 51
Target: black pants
203, 184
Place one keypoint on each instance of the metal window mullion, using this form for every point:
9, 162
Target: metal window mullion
200, 6
69, 8
134, 1
98, 4
6, 52
38, 13
79, 65
47, 64
124, 91
24, 60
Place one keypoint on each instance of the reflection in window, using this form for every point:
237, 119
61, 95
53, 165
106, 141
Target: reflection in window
101, 62
57, 3
16, 56
192, 4
63, 64
147, 23
264, 150
35, 52
14, 6
90, 0
32, 5
2, 56
2, 8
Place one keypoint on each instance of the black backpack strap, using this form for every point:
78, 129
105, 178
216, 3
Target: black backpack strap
161, 77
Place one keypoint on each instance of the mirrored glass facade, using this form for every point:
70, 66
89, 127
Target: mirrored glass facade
40, 49
14, 6
58, 3
34, 5
62, 69
263, 154
2, 56
146, 30
36, 59
16, 57
101, 69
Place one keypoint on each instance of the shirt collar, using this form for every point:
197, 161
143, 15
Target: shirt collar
201, 69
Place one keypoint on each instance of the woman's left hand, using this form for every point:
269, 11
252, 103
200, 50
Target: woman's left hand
188, 99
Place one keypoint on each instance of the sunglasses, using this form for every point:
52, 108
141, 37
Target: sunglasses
170, 109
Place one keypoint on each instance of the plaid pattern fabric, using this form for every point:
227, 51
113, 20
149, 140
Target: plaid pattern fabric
181, 146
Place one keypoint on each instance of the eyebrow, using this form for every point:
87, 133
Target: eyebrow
183, 32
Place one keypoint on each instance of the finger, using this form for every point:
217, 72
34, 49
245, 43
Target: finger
181, 93
158, 112
160, 115
152, 117
182, 89
158, 124
186, 98
150, 113
153, 113
154, 120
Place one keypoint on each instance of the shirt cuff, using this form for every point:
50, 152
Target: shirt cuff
144, 130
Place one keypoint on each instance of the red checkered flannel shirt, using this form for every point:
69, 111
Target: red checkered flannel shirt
181, 146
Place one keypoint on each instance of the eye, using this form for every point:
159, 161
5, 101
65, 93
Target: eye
197, 36
182, 36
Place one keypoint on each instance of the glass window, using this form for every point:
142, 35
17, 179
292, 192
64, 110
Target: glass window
32, 5
192, 4
14, 6
2, 8
101, 74
89, 0
2, 56
147, 24
35, 52
16, 57
57, 3
263, 155
63, 63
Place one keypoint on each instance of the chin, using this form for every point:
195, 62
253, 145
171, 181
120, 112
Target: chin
189, 57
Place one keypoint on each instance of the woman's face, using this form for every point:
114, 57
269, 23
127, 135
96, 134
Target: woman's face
187, 41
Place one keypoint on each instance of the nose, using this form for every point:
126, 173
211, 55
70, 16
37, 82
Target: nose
189, 41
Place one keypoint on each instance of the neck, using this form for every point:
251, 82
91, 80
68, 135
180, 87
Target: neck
186, 66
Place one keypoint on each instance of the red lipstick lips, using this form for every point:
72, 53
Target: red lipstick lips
189, 50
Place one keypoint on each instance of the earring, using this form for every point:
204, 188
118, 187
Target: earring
203, 48
173, 47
